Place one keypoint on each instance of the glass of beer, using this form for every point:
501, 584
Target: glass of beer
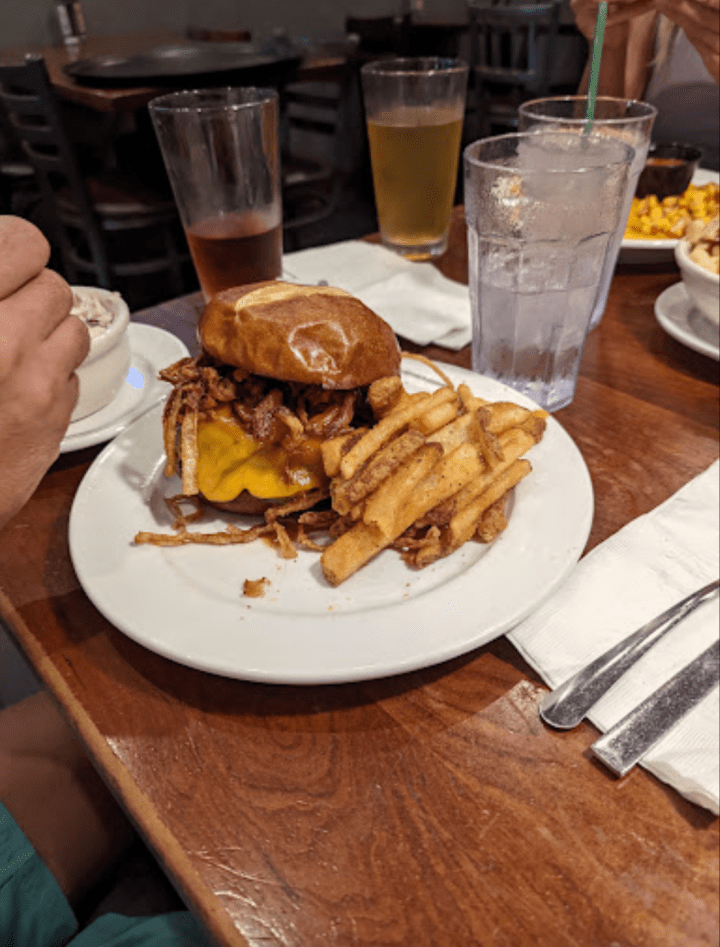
220, 148
414, 109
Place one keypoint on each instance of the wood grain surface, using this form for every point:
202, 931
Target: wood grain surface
428, 810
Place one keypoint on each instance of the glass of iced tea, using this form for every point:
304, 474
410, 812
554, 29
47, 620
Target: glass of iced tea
414, 109
220, 148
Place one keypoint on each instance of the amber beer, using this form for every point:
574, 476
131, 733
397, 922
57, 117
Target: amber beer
414, 108
221, 150
235, 249
414, 154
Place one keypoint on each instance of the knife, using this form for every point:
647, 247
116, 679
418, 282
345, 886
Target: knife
629, 740
566, 706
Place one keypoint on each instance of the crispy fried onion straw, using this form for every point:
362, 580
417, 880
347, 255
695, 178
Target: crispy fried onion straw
274, 528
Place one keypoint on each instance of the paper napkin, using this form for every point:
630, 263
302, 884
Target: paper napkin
415, 299
646, 567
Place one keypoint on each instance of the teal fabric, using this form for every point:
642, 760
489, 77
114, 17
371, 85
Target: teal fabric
33, 909
35, 913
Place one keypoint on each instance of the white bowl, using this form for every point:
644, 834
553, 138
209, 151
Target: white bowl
703, 287
106, 364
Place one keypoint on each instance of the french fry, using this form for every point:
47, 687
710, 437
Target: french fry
465, 522
470, 401
347, 493
351, 551
384, 394
436, 419
379, 435
382, 508
370, 536
504, 415
454, 434
332, 451
514, 444
445, 479
487, 443
535, 425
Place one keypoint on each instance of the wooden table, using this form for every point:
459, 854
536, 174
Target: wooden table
315, 65
428, 810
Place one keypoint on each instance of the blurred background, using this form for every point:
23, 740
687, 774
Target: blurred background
112, 222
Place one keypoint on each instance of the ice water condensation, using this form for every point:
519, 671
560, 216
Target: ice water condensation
531, 306
540, 222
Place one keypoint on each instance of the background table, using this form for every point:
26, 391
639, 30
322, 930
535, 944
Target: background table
432, 809
316, 64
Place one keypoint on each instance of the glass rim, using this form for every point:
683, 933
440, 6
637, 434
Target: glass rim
173, 101
649, 110
414, 65
569, 136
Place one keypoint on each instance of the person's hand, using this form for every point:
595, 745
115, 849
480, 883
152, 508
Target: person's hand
619, 15
700, 21
41, 345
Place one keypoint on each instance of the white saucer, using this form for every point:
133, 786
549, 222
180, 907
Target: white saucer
680, 319
150, 350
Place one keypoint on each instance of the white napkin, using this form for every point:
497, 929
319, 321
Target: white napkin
415, 299
635, 575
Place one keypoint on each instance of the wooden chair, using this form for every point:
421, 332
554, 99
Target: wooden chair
19, 191
512, 48
110, 231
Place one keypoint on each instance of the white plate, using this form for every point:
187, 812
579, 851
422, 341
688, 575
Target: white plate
186, 602
680, 319
150, 350
656, 251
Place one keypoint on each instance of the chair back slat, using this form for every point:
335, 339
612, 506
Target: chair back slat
26, 93
512, 50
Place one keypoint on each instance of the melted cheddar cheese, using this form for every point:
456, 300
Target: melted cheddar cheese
230, 461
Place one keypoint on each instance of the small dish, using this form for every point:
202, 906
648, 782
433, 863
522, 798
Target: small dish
668, 170
680, 319
105, 366
150, 350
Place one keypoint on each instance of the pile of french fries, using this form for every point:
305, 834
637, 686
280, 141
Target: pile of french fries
435, 471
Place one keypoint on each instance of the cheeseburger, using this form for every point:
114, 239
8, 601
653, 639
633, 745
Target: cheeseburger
283, 368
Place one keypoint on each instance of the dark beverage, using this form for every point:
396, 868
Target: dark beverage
235, 249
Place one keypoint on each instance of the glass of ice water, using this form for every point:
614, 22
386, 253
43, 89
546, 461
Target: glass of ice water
542, 210
626, 120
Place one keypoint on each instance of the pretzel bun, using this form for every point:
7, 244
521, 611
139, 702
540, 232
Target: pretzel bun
315, 335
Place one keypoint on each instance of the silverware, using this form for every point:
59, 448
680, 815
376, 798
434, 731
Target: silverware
628, 741
566, 706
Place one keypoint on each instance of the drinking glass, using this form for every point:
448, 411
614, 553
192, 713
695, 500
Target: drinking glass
627, 120
220, 148
414, 109
542, 210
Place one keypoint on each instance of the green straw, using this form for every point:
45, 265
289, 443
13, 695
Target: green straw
595, 66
